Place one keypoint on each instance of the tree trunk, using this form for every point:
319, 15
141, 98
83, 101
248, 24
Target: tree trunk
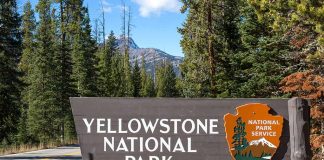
211, 53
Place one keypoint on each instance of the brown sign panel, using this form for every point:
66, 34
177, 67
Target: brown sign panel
169, 129
253, 133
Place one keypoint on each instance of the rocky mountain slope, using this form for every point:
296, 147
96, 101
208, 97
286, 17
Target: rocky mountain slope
152, 56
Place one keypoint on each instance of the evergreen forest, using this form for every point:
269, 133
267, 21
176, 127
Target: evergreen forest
232, 49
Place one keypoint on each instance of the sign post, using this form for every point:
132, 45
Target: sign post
299, 128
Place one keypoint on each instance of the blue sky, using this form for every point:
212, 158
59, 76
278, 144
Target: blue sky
155, 21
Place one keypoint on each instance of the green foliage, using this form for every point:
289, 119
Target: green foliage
26, 65
143, 74
265, 71
230, 36
150, 86
210, 40
114, 76
195, 68
29, 28
250, 59
105, 67
46, 64
44, 105
83, 49
128, 85
147, 82
262, 61
302, 23
136, 80
63, 47
166, 81
10, 50
231, 48
283, 14
118, 75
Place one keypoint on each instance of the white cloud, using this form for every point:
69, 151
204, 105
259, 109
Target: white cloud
148, 7
107, 9
106, 6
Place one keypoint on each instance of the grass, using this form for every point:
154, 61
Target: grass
13, 149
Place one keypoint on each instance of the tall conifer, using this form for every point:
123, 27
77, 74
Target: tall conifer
26, 65
118, 75
147, 82
67, 88
166, 80
105, 79
136, 80
143, 90
261, 62
10, 51
83, 50
44, 107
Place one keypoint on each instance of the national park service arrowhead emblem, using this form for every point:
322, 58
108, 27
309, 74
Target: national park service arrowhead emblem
253, 133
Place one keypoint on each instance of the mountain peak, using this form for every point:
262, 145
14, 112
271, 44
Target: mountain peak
263, 141
121, 42
152, 56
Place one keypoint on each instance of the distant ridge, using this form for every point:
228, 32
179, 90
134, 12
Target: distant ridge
151, 55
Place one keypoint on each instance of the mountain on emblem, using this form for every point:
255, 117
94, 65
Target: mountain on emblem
253, 134
263, 141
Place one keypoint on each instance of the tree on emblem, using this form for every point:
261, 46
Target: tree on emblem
240, 142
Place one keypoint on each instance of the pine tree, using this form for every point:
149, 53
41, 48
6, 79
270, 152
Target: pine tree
118, 75
66, 83
283, 15
150, 86
90, 47
25, 65
195, 69
128, 92
147, 82
83, 49
105, 66
300, 22
10, 50
136, 80
261, 61
210, 40
64, 70
166, 80
29, 28
170, 81
128, 86
239, 140
229, 38
44, 107
144, 79
249, 57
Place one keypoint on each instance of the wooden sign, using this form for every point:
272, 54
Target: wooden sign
185, 129
253, 133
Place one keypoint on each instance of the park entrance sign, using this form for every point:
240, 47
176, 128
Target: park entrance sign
189, 129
